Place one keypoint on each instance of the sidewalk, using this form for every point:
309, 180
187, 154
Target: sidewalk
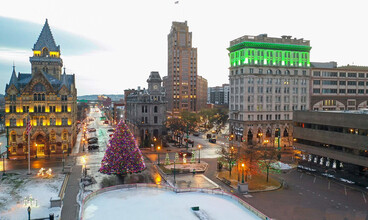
70, 209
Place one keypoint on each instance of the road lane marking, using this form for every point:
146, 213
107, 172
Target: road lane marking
365, 200
329, 184
314, 181
301, 175
332, 200
345, 191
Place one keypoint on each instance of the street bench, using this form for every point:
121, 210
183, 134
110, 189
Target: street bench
226, 181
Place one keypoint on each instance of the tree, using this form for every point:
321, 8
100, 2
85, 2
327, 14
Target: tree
122, 155
268, 157
167, 159
229, 156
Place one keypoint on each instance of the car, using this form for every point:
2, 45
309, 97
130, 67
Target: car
106, 122
189, 141
92, 138
93, 147
188, 154
110, 135
91, 129
93, 141
111, 130
196, 134
212, 140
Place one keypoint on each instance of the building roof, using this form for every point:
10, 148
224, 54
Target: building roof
324, 65
46, 39
154, 77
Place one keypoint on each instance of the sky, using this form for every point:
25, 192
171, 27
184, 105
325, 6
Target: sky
114, 45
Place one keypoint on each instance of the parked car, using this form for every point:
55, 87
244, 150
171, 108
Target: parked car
110, 135
196, 134
106, 122
91, 129
212, 140
93, 147
92, 138
111, 130
188, 154
93, 141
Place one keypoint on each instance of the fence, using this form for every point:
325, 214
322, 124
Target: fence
173, 189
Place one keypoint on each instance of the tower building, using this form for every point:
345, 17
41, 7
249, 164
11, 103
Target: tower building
48, 97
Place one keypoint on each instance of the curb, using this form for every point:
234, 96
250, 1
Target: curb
253, 191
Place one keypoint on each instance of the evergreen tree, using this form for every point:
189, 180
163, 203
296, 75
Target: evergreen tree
167, 159
176, 157
192, 160
122, 155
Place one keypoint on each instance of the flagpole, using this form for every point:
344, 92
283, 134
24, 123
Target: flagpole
29, 152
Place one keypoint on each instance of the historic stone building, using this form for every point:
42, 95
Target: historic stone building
48, 97
145, 111
269, 79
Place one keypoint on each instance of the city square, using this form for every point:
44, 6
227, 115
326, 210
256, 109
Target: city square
248, 123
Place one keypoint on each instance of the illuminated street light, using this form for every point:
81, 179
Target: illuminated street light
199, 148
158, 155
243, 172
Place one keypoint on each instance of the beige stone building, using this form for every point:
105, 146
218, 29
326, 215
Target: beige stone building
48, 97
181, 83
269, 79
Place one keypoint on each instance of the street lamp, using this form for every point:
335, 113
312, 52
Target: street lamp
3, 161
36, 151
199, 148
29, 212
83, 159
158, 155
243, 172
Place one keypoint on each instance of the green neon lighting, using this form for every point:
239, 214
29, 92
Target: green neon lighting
263, 45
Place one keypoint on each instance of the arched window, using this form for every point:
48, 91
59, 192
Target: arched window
45, 52
278, 72
287, 72
13, 136
155, 109
269, 71
268, 132
286, 133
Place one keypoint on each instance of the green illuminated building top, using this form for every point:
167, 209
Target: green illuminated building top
266, 51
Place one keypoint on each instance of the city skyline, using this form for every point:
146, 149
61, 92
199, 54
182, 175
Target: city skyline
104, 28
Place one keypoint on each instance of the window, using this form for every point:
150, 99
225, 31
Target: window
260, 71
278, 72
351, 91
342, 91
360, 83
13, 122
155, 109
342, 74
25, 109
65, 136
329, 91
352, 83
361, 75
250, 70
295, 72
342, 82
304, 72
52, 121
316, 82
155, 120
329, 82
352, 75
269, 71
64, 108
64, 121
316, 90
316, 73
360, 91
51, 108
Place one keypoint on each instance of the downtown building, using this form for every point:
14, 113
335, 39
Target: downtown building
218, 95
269, 79
185, 90
333, 143
145, 111
48, 97
338, 88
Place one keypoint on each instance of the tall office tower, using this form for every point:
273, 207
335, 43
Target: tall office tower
181, 82
219, 95
269, 78
338, 88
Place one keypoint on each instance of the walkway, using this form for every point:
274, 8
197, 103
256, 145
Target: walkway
70, 209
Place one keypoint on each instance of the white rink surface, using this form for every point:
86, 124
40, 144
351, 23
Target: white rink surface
148, 203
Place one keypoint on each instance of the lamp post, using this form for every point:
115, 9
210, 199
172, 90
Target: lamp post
199, 148
174, 173
243, 172
83, 159
158, 155
29, 212
36, 151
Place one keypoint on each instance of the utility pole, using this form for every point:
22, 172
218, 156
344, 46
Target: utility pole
187, 135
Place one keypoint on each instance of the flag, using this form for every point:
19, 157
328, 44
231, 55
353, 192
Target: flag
176, 2
29, 126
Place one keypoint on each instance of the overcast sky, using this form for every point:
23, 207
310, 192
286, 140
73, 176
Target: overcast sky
115, 44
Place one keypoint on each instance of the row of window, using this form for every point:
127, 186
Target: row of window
269, 107
268, 99
334, 82
145, 109
260, 117
338, 129
39, 121
269, 81
38, 109
145, 120
268, 71
340, 74
341, 91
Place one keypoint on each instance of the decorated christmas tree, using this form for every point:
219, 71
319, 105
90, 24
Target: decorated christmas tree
167, 159
176, 158
122, 155
192, 160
